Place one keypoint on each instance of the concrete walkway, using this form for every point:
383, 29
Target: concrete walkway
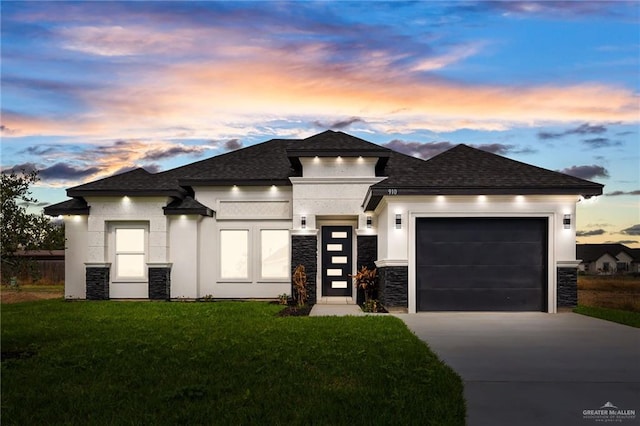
324, 310
335, 306
536, 368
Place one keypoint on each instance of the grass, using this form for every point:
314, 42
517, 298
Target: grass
216, 363
616, 315
609, 291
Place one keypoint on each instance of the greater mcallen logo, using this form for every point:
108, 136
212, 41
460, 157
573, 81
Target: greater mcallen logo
609, 413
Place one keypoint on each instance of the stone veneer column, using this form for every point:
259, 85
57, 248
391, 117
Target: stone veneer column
97, 282
367, 253
159, 282
567, 279
394, 286
304, 251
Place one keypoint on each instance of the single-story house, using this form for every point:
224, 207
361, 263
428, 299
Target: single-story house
466, 230
607, 258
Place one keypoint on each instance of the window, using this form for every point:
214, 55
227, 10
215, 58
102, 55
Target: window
130, 257
234, 254
274, 252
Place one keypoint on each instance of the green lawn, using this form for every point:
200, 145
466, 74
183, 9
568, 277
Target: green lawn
216, 363
615, 315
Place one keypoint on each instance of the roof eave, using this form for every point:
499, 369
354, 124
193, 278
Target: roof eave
202, 211
232, 182
54, 211
126, 192
376, 193
371, 153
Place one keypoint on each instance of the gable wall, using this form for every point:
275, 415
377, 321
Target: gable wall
126, 209
624, 257
598, 265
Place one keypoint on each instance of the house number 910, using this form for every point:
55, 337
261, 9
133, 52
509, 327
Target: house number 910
392, 191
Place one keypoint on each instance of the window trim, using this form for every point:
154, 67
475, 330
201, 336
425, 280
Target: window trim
261, 277
254, 252
246, 279
113, 252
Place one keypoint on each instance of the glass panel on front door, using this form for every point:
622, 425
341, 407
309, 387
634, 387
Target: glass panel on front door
337, 246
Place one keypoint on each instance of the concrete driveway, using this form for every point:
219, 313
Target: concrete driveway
536, 368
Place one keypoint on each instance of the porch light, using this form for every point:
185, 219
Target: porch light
398, 221
369, 221
303, 222
567, 221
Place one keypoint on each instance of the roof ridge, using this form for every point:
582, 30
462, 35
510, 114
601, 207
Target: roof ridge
224, 154
116, 175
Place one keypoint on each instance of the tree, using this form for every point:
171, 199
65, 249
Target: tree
19, 229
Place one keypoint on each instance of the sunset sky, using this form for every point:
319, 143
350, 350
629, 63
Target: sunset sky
90, 89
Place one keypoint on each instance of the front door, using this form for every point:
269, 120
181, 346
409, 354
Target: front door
336, 260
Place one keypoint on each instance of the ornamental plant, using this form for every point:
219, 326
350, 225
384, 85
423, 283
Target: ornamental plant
367, 280
300, 285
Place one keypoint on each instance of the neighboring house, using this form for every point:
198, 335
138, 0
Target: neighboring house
465, 230
607, 258
635, 264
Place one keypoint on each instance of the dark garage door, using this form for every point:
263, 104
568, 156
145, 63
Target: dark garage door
481, 264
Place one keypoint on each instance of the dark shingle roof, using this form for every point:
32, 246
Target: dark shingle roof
592, 252
261, 164
461, 170
135, 182
330, 141
76, 206
187, 206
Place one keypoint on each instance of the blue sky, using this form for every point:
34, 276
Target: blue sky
90, 89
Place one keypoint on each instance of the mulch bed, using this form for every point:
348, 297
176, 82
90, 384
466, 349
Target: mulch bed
295, 311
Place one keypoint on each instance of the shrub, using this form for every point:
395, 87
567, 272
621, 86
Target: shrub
300, 285
367, 280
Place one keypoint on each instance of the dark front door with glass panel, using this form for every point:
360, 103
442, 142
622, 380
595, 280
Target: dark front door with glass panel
336, 260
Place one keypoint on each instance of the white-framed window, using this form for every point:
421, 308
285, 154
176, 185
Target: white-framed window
274, 254
254, 253
234, 254
129, 242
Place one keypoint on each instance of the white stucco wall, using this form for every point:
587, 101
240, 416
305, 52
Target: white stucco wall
75, 230
108, 211
251, 208
397, 246
105, 210
183, 255
338, 167
332, 187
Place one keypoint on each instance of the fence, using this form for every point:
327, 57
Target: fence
47, 267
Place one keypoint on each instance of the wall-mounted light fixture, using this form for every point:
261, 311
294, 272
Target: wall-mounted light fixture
398, 221
566, 221
369, 221
303, 222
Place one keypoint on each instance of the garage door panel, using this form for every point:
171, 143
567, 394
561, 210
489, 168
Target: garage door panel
498, 262
480, 300
474, 276
476, 253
